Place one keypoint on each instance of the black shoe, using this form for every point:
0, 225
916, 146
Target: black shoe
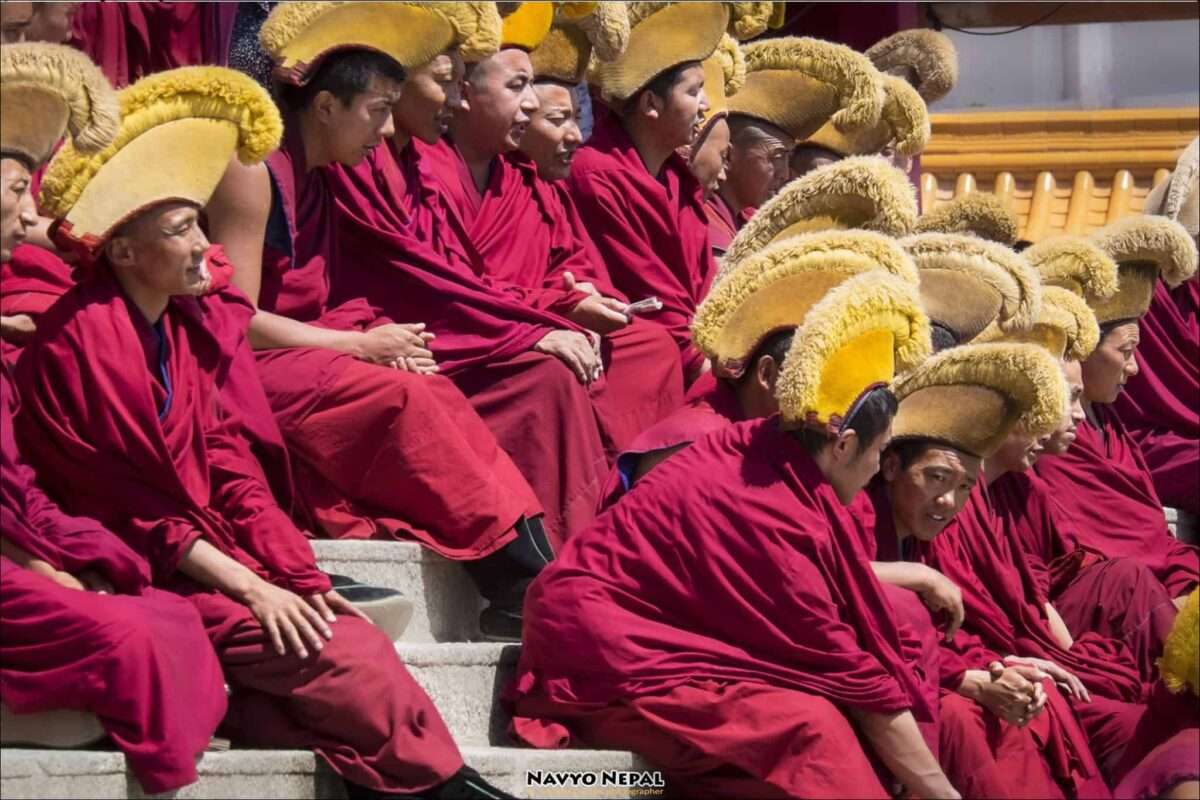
390, 610
340, 582
466, 784
500, 625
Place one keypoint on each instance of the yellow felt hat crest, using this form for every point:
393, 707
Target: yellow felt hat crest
1065, 326
971, 397
903, 124
866, 192
967, 283
525, 25
179, 129
299, 35
581, 31
48, 90
774, 289
724, 75
926, 58
1180, 662
855, 339
980, 213
1145, 249
476, 27
1075, 263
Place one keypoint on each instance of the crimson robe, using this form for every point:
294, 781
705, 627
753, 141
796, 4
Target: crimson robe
30, 282
722, 615
379, 452
396, 250
1105, 487
126, 422
129, 41
723, 224
643, 376
650, 230
1160, 406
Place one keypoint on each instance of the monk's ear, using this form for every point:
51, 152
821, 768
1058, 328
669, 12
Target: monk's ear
119, 250
766, 371
648, 105
845, 447
324, 104
889, 466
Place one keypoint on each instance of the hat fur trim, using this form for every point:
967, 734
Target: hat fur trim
1180, 662
606, 26
287, 20
930, 54
747, 20
1075, 263
980, 213
733, 64
1066, 326
1158, 240
477, 28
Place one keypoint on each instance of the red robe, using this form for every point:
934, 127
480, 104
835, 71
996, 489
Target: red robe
651, 231
643, 376
1161, 404
129, 41
1105, 487
723, 224
379, 452
397, 250
30, 282
138, 659
127, 423
715, 625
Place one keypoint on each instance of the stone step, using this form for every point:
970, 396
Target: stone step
464, 680
446, 605
281, 774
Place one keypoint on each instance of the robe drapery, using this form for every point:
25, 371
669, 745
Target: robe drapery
1104, 485
1160, 406
528, 236
723, 224
126, 422
729, 570
30, 282
396, 251
651, 231
379, 452
129, 41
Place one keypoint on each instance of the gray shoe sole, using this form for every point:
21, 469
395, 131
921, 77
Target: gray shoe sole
390, 614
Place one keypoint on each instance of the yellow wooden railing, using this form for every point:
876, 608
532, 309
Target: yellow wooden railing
1059, 171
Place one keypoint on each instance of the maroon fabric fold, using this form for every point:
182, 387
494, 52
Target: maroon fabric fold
131, 40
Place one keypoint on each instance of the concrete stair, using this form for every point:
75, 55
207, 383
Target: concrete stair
464, 680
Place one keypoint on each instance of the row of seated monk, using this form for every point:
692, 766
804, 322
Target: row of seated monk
756, 529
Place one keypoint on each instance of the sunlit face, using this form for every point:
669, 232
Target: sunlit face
1111, 364
929, 492
430, 96
353, 130
553, 134
679, 117
851, 469
162, 251
711, 159
759, 168
500, 102
1019, 452
1064, 436
15, 19
52, 22
17, 212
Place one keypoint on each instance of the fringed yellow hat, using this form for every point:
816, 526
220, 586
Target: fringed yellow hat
1065, 326
903, 124
663, 35
299, 35
747, 20
1180, 662
724, 75
476, 28
525, 25
178, 131
1145, 249
967, 283
799, 84
855, 339
972, 397
866, 193
1178, 197
1075, 263
580, 30
47, 90
925, 58
981, 213
772, 290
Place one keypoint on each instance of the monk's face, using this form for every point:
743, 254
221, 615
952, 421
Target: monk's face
15, 19
1019, 452
927, 493
806, 158
161, 252
431, 95
553, 134
349, 131
852, 466
17, 213
1111, 364
1064, 436
500, 101
711, 160
52, 22
677, 116
758, 164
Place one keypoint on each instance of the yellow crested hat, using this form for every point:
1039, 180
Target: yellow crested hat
981, 213
967, 283
179, 129
772, 290
663, 35
855, 339
1178, 197
48, 90
1180, 662
971, 397
1145, 249
525, 25
580, 31
299, 35
1075, 263
798, 84
724, 75
903, 123
867, 193
1065, 326
747, 20
925, 58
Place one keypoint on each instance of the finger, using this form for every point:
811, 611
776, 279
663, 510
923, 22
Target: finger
419, 352
303, 623
288, 628
344, 606
428, 337
318, 602
312, 618
569, 281
578, 362
956, 621
272, 627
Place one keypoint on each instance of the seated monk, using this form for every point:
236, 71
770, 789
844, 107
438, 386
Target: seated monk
552, 266
1160, 406
382, 446
1103, 482
125, 418
761, 697
708, 154
83, 629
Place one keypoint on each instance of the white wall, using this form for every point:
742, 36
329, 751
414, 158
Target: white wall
1102, 65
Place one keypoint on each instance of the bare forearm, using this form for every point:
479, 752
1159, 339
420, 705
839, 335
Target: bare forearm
271, 331
1058, 627
905, 574
898, 743
210, 567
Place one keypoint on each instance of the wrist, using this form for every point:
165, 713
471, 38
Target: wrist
353, 343
972, 684
246, 587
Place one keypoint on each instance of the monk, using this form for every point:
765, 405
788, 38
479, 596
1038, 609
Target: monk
125, 417
383, 446
708, 159
759, 156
